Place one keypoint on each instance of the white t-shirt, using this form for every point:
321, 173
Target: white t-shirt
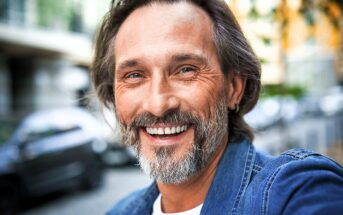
157, 210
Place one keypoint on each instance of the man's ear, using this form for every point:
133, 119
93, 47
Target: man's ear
235, 89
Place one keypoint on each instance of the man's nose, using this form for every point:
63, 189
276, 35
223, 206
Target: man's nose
161, 97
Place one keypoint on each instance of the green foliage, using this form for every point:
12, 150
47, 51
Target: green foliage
52, 12
266, 40
307, 10
283, 90
253, 13
263, 60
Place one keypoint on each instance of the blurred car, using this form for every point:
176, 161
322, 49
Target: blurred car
332, 102
310, 106
272, 111
48, 151
265, 114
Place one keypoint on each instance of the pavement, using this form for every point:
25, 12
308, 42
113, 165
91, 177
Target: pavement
118, 183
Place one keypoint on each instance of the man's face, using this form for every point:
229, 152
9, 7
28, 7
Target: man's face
169, 89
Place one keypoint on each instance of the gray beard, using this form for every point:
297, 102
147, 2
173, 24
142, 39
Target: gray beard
165, 167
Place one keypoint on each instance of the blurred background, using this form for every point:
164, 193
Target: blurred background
60, 152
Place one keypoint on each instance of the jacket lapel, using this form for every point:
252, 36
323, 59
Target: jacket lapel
231, 179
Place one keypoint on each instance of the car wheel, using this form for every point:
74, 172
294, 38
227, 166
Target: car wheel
93, 178
9, 198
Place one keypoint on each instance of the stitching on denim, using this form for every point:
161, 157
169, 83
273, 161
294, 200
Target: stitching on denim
265, 197
257, 168
298, 153
244, 181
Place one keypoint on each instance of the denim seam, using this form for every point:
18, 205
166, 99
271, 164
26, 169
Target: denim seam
298, 154
244, 181
265, 198
257, 168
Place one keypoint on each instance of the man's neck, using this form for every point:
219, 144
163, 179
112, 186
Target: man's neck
188, 195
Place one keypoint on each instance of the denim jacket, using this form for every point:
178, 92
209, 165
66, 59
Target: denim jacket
248, 182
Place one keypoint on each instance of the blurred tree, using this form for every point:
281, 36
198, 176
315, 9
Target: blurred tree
332, 9
54, 14
319, 21
62, 14
283, 90
76, 21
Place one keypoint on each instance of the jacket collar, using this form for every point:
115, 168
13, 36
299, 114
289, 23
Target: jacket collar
231, 179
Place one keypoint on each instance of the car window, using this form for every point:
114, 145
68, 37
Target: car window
7, 128
41, 134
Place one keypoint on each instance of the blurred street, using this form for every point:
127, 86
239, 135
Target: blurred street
312, 133
320, 134
118, 183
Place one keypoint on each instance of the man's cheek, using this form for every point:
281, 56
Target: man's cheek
123, 115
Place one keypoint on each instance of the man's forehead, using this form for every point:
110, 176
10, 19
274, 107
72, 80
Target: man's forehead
160, 12
183, 21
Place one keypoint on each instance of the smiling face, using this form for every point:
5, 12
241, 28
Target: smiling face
169, 90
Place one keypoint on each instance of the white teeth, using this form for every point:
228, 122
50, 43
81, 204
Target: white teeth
167, 130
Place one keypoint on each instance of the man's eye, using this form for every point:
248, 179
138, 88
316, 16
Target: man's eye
134, 75
187, 69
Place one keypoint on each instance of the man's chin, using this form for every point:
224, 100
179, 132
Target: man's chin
163, 165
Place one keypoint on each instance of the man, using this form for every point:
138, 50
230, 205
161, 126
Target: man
180, 75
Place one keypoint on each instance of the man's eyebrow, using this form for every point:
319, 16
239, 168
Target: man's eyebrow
174, 58
128, 63
185, 57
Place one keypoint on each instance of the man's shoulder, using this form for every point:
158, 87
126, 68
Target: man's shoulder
295, 164
299, 160
297, 181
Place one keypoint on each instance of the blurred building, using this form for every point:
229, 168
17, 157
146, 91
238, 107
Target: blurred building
298, 42
300, 46
313, 44
46, 49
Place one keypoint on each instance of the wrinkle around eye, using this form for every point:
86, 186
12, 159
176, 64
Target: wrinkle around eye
210, 76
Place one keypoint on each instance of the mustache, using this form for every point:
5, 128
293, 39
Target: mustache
171, 117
